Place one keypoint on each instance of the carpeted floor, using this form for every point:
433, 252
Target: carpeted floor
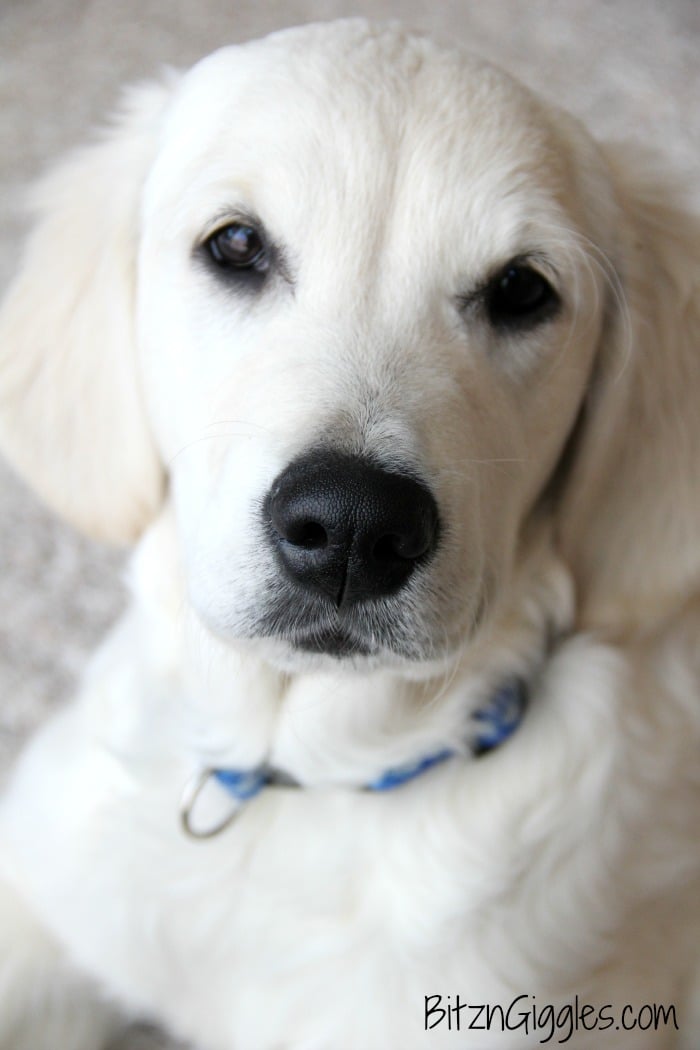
630, 68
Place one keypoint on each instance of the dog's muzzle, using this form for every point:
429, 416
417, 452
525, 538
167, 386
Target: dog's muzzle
347, 530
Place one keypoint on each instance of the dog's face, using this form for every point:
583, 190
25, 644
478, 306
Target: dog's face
366, 327
365, 320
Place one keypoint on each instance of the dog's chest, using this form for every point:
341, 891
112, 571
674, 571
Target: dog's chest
347, 907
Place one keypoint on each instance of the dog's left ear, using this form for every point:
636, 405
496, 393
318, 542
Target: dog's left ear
71, 415
630, 518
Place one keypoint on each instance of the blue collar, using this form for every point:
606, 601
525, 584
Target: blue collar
492, 725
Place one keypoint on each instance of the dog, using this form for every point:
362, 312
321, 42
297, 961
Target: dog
391, 374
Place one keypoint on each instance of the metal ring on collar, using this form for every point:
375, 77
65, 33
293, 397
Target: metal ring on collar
189, 798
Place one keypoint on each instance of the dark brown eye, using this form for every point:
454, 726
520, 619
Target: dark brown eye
519, 296
238, 247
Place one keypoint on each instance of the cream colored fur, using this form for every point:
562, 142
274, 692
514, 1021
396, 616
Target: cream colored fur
143, 396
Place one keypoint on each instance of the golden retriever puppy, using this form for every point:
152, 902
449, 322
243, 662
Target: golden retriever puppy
392, 375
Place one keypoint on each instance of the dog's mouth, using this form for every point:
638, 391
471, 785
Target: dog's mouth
296, 630
302, 630
376, 636
332, 642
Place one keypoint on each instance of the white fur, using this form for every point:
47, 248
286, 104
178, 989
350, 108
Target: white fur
397, 177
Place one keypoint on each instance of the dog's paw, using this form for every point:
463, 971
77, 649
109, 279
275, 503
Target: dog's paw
45, 1004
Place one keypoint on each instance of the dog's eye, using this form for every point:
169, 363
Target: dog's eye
238, 247
519, 296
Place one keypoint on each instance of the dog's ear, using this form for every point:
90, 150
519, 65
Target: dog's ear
71, 417
631, 513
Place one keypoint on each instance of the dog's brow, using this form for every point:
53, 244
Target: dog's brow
232, 213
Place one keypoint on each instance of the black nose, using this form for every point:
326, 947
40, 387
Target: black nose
348, 529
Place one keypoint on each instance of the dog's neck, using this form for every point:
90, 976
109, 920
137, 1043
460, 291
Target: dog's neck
238, 711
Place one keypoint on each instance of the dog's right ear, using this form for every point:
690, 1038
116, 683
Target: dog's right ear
72, 420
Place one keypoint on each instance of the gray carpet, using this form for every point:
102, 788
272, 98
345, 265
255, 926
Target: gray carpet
629, 67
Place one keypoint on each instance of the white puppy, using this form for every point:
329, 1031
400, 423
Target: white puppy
366, 344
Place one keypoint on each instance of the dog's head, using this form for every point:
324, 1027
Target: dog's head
342, 295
